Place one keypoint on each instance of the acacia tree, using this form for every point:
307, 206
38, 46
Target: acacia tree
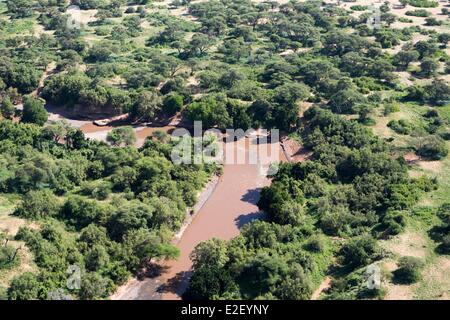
34, 111
428, 67
404, 58
7, 109
146, 106
122, 136
58, 130
199, 45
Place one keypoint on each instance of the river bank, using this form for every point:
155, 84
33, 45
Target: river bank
230, 205
224, 206
131, 290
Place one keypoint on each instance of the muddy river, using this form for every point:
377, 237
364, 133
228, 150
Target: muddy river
230, 205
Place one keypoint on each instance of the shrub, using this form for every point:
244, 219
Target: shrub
438, 92
7, 109
172, 104
34, 111
358, 8
445, 244
94, 286
390, 108
417, 13
409, 270
316, 244
405, 20
24, 287
102, 31
38, 204
401, 126
423, 3
394, 222
99, 190
433, 148
360, 251
432, 22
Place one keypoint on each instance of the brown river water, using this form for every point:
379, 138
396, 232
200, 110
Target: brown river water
231, 205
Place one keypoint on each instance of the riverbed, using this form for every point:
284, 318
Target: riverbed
231, 205
225, 210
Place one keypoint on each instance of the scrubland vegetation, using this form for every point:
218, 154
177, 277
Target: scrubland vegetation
378, 130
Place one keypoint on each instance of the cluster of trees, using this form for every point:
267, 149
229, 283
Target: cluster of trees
267, 261
276, 111
369, 183
352, 188
108, 210
62, 176
437, 93
19, 74
256, 62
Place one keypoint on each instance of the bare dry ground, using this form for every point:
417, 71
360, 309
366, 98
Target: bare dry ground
436, 280
11, 225
415, 242
326, 283
409, 243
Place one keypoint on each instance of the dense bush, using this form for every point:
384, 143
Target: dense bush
24, 287
432, 147
409, 270
172, 104
34, 112
423, 3
394, 222
106, 240
361, 251
401, 126
241, 64
38, 204
418, 13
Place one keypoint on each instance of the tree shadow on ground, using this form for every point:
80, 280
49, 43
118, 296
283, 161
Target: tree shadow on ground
243, 219
177, 284
252, 196
150, 270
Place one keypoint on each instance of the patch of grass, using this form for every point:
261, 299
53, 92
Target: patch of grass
11, 224
444, 112
415, 241
442, 194
19, 26
413, 113
435, 280
7, 203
